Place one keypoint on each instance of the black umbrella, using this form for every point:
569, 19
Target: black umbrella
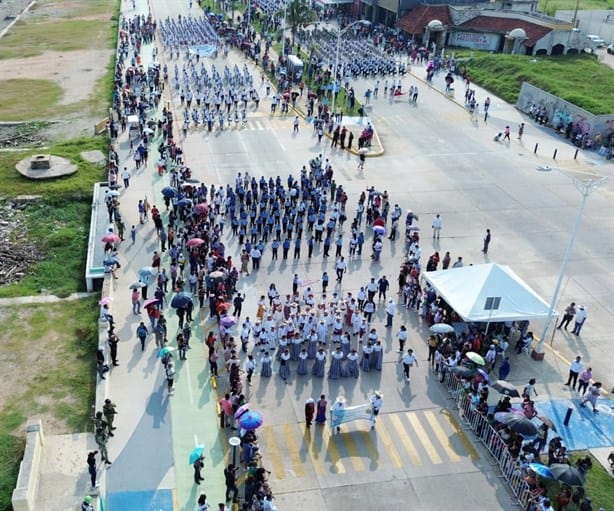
522, 426
567, 474
181, 300
463, 372
505, 388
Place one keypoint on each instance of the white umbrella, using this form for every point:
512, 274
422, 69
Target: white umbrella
442, 328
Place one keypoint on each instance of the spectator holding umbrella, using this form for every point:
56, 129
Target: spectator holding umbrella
505, 368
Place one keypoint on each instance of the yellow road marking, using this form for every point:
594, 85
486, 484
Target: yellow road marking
442, 436
384, 436
366, 440
293, 449
405, 440
352, 449
332, 452
424, 438
467, 445
277, 465
317, 459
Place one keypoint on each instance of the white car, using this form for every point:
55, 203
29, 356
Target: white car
610, 48
600, 43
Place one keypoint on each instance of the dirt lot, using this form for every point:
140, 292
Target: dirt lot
35, 337
76, 72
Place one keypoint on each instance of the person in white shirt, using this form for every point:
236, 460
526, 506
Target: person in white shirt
408, 360
402, 337
377, 402
126, 177
340, 268
491, 357
390, 310
581, 316
574, 371
437, 224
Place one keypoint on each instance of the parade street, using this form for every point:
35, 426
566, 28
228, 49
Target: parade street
436, 161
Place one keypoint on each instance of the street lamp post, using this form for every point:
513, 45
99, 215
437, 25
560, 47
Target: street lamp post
585, 188
283, 33
339, 34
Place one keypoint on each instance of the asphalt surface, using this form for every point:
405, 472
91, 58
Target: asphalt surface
436, 161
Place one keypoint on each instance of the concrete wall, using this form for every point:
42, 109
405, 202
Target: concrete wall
565, 111
26, 492
595, 22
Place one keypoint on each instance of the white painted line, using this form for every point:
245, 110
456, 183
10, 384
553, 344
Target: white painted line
187, 370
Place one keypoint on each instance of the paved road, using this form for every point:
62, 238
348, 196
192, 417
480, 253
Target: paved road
436, 160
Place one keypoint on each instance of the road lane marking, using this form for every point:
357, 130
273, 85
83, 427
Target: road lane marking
441, 436
187, 370
277, 465
424, 438
293, 449
351, 449
332, 453
384, 436
366, 440
464, 440
405, 440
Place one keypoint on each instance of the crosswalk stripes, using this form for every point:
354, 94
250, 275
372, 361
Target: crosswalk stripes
407, 443
418, 438
428, 446
440, 434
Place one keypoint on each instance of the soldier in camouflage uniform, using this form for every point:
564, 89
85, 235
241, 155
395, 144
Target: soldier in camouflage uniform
109, 411
101, 437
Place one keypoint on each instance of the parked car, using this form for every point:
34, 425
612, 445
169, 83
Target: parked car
610, 48
600, 43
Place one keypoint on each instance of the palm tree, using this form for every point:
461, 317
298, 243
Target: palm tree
298, 13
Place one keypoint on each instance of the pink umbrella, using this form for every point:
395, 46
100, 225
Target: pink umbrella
147, 303
106, 300
110, 238
195, 242
228, 321
201, 208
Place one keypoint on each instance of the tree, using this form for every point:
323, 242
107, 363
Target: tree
298, 13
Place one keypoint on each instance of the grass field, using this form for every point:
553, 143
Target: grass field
52, 29
581, 80
91, 8
59, 223
598, 485
41, 97
47, 358
27, 39
551, 6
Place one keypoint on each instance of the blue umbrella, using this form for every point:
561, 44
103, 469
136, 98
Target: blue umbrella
146, 272
110, 261
169, 191
181, 299
196, 453
541, 470
184, 202
250, 421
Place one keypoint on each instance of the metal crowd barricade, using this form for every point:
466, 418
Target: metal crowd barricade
489, 437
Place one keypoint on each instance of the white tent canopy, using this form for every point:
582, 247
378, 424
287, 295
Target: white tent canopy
467, 289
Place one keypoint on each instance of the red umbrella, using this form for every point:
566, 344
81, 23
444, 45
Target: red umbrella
201, 208
110, 238
195, 242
